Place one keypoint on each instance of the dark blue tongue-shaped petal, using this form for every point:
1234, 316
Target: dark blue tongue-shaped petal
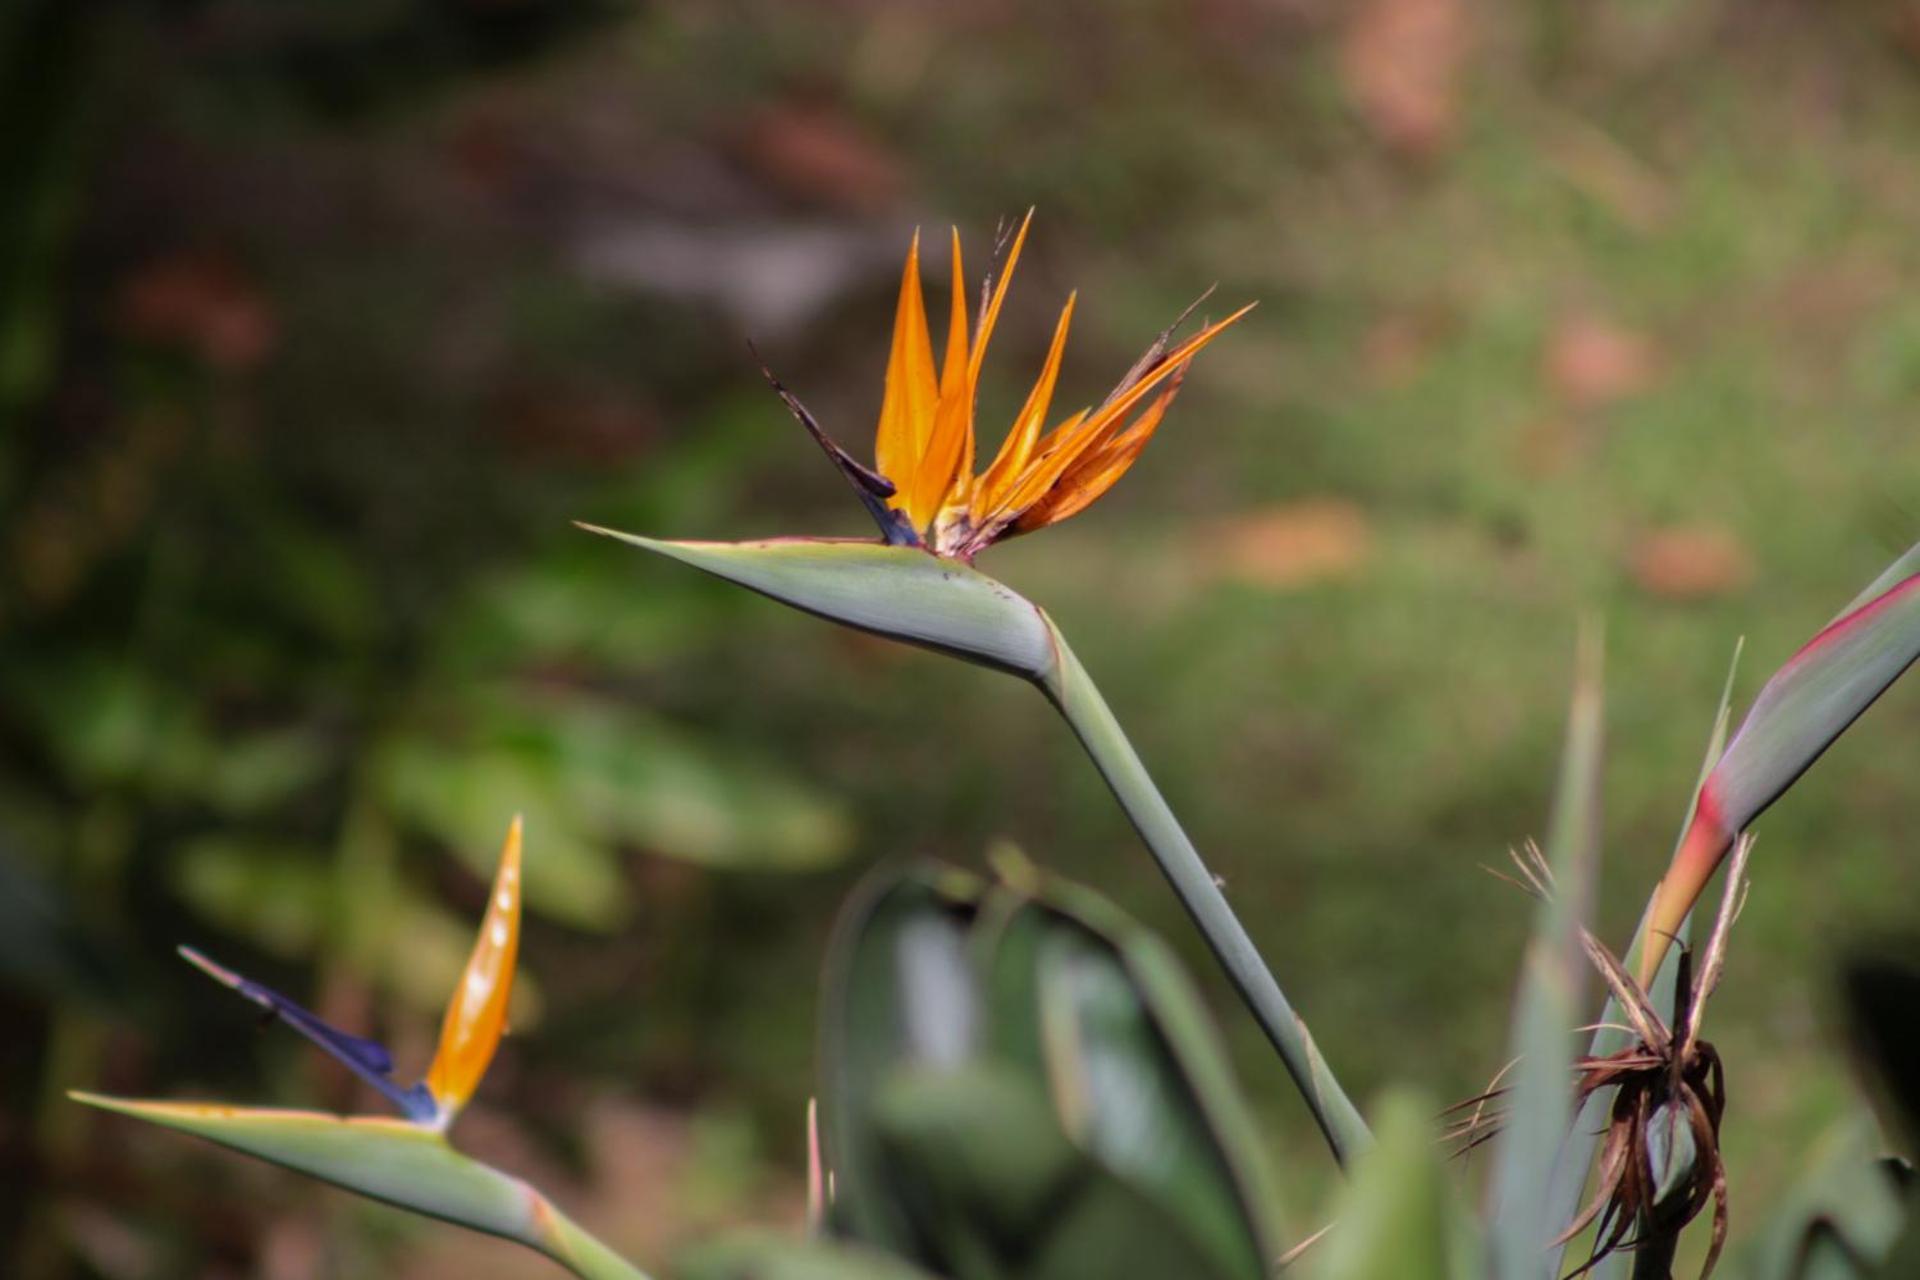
367, 1059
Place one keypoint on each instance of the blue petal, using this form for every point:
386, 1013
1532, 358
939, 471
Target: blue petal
367, 1059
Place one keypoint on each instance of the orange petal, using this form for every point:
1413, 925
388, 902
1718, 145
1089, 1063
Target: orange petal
1017, 450
992, 313
1177, 357
906, 412
477, 1015
956, 365
1098, 470
1062, 448
947, 464
1057, 451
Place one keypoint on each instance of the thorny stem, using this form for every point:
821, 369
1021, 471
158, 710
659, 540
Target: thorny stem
1071, 690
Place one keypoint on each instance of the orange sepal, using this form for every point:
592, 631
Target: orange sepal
945, 468
991, 315
906, 411
1018, 448
1073, 441
476, 1016
1098, 470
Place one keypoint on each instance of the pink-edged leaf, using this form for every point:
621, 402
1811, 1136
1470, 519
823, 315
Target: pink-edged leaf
1806, 705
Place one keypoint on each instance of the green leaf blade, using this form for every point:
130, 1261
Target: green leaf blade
1546, 1011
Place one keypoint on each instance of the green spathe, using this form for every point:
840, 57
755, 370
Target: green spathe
902, 593
403, 1164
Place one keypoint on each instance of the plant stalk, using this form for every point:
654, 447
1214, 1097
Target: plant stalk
1072, 691
577, 1249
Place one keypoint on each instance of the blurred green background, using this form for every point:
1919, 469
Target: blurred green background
320, 319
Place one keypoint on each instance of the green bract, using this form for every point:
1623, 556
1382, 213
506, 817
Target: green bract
404, 1164
899, 592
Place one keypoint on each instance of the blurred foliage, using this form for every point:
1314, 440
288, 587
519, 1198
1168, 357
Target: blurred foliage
318, 321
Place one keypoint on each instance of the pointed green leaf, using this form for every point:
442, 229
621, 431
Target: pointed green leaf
1396, 1219
1096, 1010
900, 592
900, 993
1113, 1228
1540, 1102
1807, 704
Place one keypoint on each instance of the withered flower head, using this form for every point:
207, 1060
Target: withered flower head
1660, 1163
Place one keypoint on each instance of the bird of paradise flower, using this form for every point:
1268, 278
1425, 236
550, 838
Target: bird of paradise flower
917, 583
405, 1161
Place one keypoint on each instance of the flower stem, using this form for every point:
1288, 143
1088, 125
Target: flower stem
578, 1250
1071, 690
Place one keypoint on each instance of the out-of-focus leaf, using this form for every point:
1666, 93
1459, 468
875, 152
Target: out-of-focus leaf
1113, 1228
464, 797
575, 608
1395, 1220
1099, 1013
109, 725
899, 592
765, 1256
1838, 1221
274, 896
1003, 1195
1806, 705
42, 949
900, 993
981, 1152
594, 781
253, 772
1540, 1102
637, 780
